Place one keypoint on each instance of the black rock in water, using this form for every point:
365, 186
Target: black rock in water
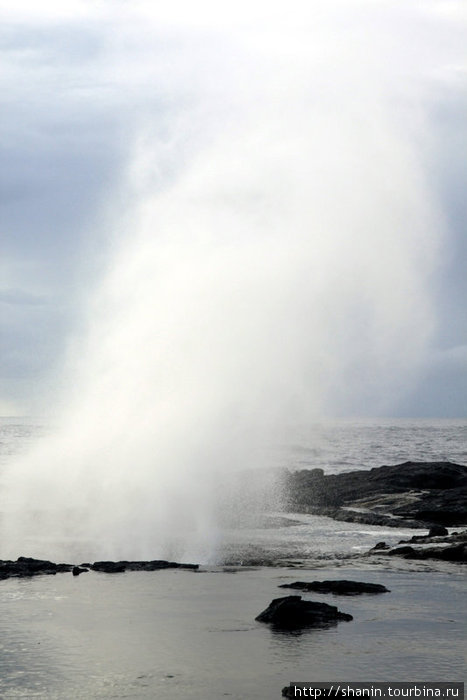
339, 587
108, 567
117, 567
292, 612
27, 566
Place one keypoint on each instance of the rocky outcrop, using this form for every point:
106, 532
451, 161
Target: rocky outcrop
108, 567
339, 587
291, 612
117, 567
430, 538
450, 548
26, 567
419, 494
454, 553
365, 516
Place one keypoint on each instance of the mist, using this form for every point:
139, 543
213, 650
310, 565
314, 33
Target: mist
273, 242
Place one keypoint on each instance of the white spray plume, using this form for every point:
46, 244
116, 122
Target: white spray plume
274, 266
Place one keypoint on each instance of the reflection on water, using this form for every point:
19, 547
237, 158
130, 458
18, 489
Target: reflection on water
193, 635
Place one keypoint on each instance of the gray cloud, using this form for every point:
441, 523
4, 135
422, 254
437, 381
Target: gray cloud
61, 153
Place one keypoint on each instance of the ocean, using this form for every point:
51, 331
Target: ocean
183, 634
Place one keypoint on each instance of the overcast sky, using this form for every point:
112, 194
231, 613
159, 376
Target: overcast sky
106, 103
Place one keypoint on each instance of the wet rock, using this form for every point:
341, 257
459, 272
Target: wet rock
425, 539
422, 493
414, 539
402, 552
380, 545
116, 567
157, 564
108, 567
450, 548
455, 537
365, 517
446, 507
27, 566
438, 531
339, 587
291, 612
454, 553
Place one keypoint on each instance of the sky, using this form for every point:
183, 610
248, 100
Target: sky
332, 134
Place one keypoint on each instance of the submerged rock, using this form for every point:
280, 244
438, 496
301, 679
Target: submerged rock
291, 612
339, 587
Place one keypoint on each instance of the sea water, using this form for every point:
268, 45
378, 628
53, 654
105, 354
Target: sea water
181, 634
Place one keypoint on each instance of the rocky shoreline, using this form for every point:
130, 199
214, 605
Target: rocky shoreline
427, 495
448, 548
411, 494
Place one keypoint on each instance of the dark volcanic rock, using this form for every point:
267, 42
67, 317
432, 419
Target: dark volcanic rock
456, 537
407, 552
454, 553
116, 567
455, 549
109, 567
157, 564
445, 507
26, 566
426, 492
292, 612
339, 587
438, 531
366, 517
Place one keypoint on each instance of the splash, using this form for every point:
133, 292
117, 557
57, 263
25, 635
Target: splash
272, 266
